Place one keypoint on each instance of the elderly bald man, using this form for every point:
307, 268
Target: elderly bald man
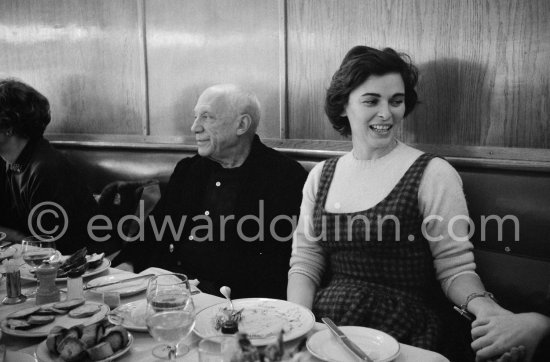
233, 206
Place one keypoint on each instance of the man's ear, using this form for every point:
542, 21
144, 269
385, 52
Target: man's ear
244, 123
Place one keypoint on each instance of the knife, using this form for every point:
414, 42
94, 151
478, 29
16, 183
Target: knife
88, 287
348, 343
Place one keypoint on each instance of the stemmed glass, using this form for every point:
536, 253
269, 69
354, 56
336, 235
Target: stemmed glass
170, 314
35, 250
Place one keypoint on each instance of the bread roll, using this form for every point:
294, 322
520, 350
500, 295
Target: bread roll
101, 351
72, 349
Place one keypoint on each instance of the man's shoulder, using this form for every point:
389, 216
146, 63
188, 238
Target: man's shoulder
280, 159
46, 158
187, 162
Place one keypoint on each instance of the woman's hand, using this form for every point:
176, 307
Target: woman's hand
496, 336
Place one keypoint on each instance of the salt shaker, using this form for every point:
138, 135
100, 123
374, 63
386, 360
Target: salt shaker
47, 291
75, 286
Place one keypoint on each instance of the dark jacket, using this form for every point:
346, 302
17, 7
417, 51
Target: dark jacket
42, 174
251, 268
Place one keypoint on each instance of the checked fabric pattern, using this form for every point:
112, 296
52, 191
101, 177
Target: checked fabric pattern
379, 273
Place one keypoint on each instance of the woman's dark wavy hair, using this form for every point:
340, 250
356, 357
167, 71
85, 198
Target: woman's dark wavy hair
23, 109
360, 63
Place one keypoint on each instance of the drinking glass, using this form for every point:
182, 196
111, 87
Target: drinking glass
170, 314
35, 250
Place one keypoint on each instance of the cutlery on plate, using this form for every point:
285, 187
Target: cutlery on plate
348, 343
87, 287
226, 292
6, 245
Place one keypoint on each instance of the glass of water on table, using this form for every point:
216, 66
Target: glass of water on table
170, 314
37, 249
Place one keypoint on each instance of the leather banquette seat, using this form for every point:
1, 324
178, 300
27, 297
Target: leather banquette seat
515, 265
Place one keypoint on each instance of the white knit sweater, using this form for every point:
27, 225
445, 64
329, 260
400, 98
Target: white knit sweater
361, 184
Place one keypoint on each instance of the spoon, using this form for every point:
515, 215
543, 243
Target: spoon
226, 292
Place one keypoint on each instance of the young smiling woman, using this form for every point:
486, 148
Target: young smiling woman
352, 265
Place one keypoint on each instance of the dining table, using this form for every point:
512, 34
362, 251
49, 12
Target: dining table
143, 343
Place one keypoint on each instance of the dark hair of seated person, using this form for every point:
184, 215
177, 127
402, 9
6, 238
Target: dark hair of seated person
23, 109
360, 63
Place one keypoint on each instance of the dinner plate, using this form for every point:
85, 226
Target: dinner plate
60, 320
380, 346
14, 356
125, 289
132, 315
44, 355
27, 275
7, 252
262, 319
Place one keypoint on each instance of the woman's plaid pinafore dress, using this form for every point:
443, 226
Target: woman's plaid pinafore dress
381, 277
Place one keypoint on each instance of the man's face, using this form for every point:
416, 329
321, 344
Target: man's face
215, 125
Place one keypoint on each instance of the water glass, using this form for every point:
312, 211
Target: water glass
37, 249
170, 314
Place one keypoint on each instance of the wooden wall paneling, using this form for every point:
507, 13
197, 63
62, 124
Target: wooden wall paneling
82, 55
484, 69
193, 44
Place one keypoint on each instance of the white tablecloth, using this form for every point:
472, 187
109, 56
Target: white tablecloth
143, 343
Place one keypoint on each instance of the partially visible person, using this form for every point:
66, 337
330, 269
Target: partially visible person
233, 201
35, 179
495, 336
379, 243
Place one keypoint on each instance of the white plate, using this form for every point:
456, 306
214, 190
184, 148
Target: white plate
132, 314
7, 252
13, 356
60, 320
262, 320
125, 289
380, 346
27, 275
44, 355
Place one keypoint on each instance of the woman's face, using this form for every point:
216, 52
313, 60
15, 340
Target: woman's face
374, 109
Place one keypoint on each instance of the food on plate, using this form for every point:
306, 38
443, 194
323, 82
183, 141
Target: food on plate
94, 260
69, 304
39, 320
24, 313
228, 320
18, 324
76, 260
37, 316
85, 311
54, 338
230, 327
50, 310
27, 318
72, 349
100, 351
92, 333
97, 341
79, 262
117, 337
